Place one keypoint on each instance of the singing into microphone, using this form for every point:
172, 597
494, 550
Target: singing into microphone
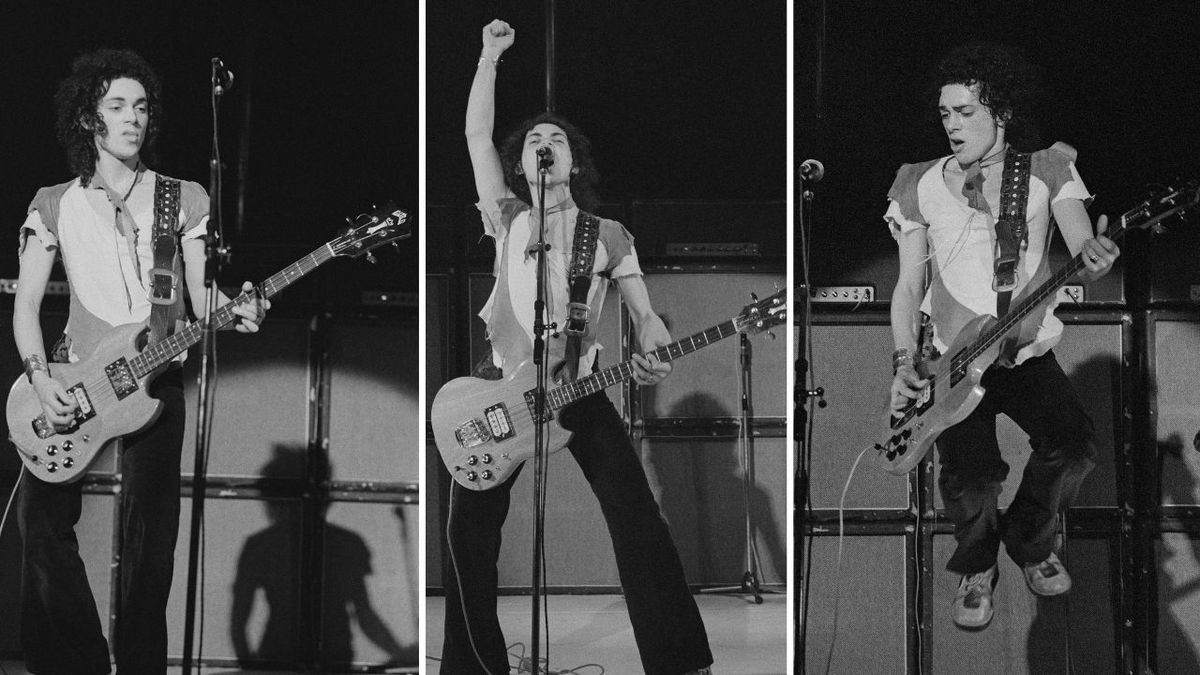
545, 157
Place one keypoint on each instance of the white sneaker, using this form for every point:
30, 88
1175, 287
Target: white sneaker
973, 602
1048, 577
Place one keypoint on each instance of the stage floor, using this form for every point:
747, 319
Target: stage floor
593, 630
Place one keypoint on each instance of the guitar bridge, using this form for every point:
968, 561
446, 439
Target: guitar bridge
919, 406
471, 433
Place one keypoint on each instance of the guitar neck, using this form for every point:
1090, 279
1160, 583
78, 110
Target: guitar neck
1026, 305
163, 351
600, 380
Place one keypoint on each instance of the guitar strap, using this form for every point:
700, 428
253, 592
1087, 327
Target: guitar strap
164, 276
579, 274
1011, 230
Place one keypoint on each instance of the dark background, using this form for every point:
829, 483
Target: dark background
680, 101
1122, 83
320, 124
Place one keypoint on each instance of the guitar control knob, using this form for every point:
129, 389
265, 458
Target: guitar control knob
472, 460
487, 475
906, 433
67, 445
68, 462
472, 476
487, 459
52, 467
52, 450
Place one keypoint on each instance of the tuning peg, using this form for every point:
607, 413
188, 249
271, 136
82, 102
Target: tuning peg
396, 245
371, 257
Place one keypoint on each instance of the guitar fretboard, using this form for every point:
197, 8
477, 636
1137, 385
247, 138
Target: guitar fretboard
1022, 308
161, 352
598, 381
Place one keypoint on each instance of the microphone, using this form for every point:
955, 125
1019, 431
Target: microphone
812, 171
545, 157
222, 77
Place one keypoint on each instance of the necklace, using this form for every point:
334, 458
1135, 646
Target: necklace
994, 158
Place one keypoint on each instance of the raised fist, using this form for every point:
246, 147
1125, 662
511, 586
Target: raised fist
497, 37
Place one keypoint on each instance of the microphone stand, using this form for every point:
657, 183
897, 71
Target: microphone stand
750, 581
539, 397
801, 395
216, 253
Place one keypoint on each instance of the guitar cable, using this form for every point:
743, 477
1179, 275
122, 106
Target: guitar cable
837, 573
462, 599
12, 495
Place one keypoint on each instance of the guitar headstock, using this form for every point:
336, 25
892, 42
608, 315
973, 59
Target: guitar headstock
763, 314
1167, 202
371, 230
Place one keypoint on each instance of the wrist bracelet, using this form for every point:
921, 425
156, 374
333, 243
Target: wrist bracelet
483, 59
900, 357
33, 363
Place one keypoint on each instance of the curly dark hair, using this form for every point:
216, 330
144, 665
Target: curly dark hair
77, 102
583, 182
1009, 86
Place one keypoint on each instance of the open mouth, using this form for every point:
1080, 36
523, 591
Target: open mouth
956, 144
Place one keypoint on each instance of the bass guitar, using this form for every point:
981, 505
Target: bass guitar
110, 388
954, 386
484, 429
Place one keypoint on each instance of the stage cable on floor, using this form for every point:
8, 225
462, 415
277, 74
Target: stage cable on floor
525, 664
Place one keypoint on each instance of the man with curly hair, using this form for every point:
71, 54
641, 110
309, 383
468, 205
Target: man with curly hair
100, 223
946, 212
666, 622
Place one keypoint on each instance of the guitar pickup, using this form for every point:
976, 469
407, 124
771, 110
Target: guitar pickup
496, 425
499, 423
121, 378
84, 411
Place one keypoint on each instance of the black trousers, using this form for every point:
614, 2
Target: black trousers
666, 622
1037, 396
60, 628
